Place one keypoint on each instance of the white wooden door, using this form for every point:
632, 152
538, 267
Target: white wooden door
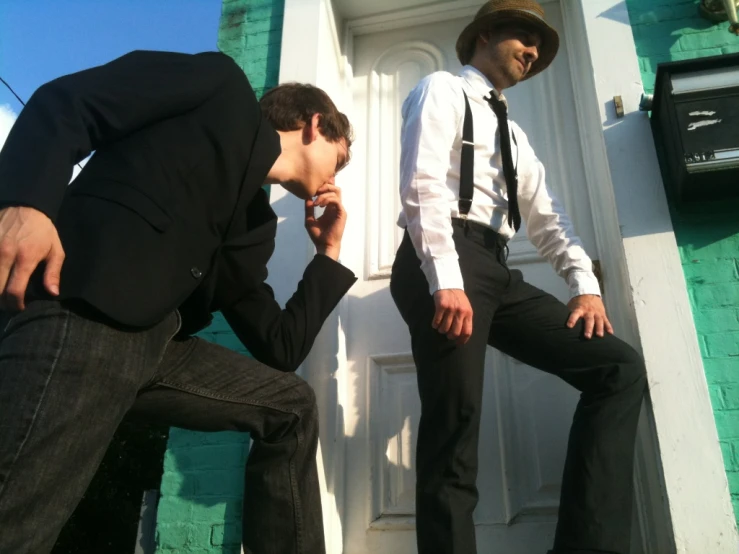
526, 415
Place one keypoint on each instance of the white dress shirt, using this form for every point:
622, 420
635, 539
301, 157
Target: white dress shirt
431, 142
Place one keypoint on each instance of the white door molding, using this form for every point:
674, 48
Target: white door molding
311, 53
648, 278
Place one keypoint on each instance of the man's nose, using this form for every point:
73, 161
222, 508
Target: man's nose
531, 53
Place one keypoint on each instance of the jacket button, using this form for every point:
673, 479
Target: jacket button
195, 272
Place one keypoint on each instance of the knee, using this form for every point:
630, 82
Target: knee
626, 370
306, 405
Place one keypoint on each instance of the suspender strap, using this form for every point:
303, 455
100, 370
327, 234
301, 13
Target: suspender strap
467, 164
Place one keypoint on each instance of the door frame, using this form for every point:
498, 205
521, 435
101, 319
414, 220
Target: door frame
644, 285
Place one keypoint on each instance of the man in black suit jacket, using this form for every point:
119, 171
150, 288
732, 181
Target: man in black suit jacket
104, 282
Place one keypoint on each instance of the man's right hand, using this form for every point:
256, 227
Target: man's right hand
453, 316
27, 237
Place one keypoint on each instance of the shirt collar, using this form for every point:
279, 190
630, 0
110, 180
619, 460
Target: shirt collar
479, 83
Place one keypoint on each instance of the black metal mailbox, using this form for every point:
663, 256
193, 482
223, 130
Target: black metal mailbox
695, 122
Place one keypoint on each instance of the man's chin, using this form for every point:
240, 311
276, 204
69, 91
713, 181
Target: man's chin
298, 189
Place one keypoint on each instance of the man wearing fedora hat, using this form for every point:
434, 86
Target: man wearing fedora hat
468, 178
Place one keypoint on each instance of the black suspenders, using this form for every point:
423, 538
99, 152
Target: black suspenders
467, 163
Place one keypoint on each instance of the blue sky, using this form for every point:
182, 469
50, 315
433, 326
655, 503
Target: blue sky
43, 39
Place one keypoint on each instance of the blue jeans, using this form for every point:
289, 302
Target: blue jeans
67, 378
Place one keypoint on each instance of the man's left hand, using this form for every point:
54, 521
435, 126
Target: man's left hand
591, 310
326, 231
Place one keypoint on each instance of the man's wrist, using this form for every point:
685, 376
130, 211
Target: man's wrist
329, 251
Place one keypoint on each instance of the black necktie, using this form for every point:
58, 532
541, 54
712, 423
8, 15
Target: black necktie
511, 178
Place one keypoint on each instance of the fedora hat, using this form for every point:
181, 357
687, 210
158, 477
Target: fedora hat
495, 12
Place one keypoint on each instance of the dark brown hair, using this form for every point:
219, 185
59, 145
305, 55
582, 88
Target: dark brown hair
290, 107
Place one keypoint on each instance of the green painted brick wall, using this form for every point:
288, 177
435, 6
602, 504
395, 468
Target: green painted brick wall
708, 235
203, 481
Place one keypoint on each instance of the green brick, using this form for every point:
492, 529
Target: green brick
219, 483
217, 512
722, 370
177, 484
656, 33
708, 242
216, 456
727, 452
723, 344
230, 341
732, 462
719, 320
192, 550
733, 477
265, 38
706, 39
717, 399
693, 54
200, 537
649, 80
732, 49
702, 342
704, 272
684, 11
173, 536
178, 509
727, 423
663, 46
717, 296
226, 535
229, 9
271, 12
730, 396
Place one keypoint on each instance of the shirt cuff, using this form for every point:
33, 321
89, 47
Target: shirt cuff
443, 273
583, 282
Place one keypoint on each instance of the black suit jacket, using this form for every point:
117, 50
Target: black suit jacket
169, 212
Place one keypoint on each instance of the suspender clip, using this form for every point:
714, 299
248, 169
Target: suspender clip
464, 207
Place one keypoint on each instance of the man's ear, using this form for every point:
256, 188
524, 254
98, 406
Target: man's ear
314, 130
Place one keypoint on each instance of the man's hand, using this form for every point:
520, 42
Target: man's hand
590, 308
27, 237
453, 316
327, 230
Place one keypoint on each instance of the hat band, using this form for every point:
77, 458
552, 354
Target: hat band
530, 12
